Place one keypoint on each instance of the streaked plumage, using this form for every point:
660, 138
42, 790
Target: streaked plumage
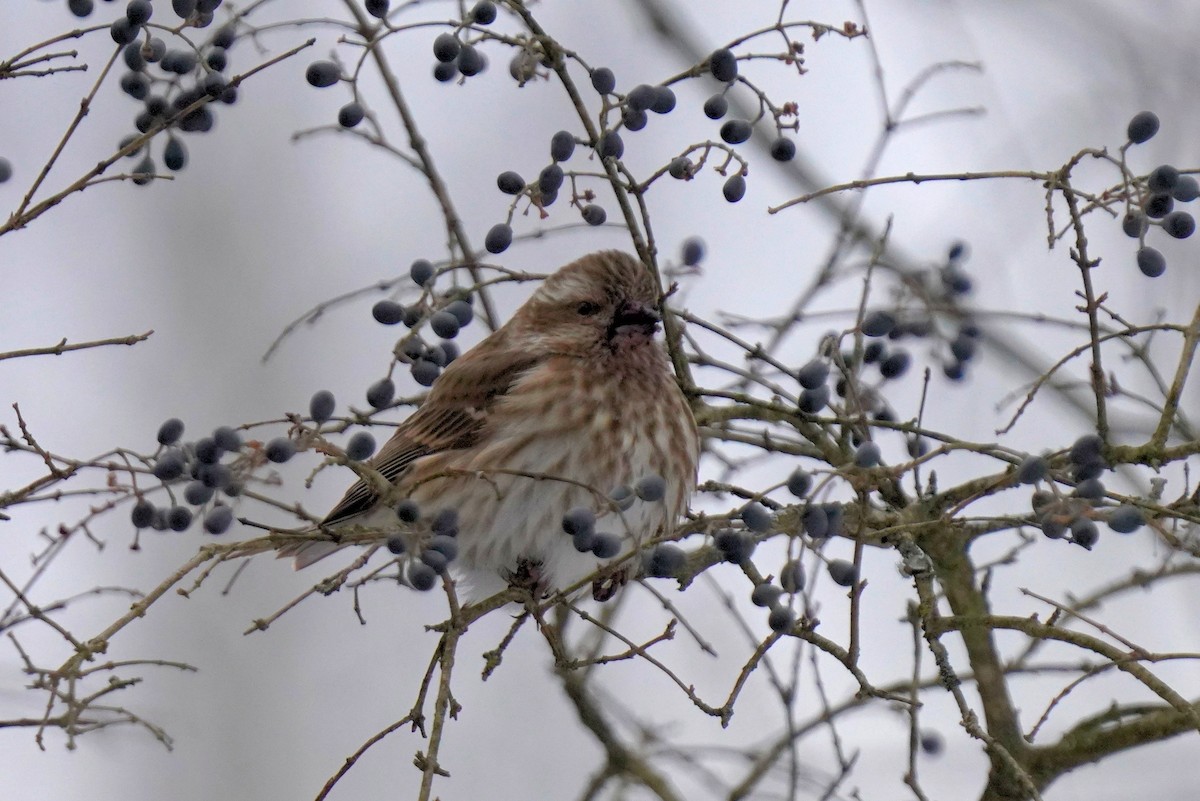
568, 400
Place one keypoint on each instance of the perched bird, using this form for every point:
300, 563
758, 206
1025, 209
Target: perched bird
571, 398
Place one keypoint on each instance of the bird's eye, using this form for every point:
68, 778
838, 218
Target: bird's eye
587, 308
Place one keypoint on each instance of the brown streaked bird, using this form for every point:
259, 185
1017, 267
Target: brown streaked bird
568, 400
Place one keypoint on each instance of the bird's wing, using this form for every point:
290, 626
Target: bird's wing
454, 416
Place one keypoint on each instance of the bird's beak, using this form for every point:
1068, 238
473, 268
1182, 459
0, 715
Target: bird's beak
635, 317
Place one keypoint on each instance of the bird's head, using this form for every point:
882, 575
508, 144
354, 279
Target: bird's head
603, 301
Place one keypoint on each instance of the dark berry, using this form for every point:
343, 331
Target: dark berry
723, 65
812, 401
692, 251
603, 80
765, 595
444, 324
781, 618
664, 100
170, 431
843, 573
611, 145
170, 465
142, 515
132, 55
225, 36
179, 518
123, 31
1091, 489
562, 145
867, 454
594, 215
650, 488
81, 8
791, 576
1031, 470
425, 372
1179, 224
896, 364
1084, 533
584, 540
360, 446
321, 407
641, 97
197, 493
421, 272
351, 114
435, 560
878, 323
815, 521
396, 545
578, 519
444, 545
183, 8
378, 8
445, 522
217, 59
445, 71
135, 85
931, 743
1159, 206
381, 393
1186, 189
799, 482
1086, 449
813, 374
446, 47
484, 12
716, 107
623, 497
510, 183
421, 577
735, 546
634, 119
667, 560
1126, 519
462, 310
218, 520
1142, 127
1163, 179
470, 61
498, 238
227, 439
680, 168
408, 511
1151, 262
736, 131
606, 545
734, 188
387, 312
280, 450
321, 74
550, 179
175, 154
783, 149
756, 517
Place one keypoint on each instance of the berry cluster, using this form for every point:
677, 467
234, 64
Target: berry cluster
430, 544
173, 85
1072, 517
1155, 200
580, 522
426, 361
203, 469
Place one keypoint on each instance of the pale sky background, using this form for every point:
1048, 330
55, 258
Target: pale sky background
259, 229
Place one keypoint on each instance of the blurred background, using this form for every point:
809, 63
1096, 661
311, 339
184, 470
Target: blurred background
260, 228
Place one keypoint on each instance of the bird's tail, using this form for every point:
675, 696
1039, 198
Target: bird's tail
307, 552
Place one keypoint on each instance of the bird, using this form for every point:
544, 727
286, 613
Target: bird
572, 397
